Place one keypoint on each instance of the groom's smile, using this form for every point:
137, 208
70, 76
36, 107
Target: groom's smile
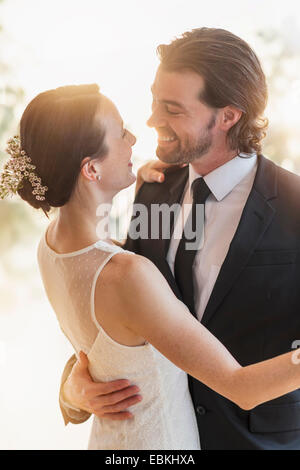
183, 123
165, 138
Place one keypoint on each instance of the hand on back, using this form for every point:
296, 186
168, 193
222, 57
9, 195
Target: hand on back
104, 399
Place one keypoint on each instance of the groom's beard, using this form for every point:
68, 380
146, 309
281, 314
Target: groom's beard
188, 153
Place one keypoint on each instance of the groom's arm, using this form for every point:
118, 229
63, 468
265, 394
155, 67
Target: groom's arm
80, 396
70, 413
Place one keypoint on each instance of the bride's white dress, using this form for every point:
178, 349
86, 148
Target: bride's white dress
165, 418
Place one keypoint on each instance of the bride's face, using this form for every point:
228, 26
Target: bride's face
116, 167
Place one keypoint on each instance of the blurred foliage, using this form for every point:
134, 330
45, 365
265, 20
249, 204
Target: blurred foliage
14, 220
10, 97
281, 63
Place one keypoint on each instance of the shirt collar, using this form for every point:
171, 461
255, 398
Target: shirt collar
223, 179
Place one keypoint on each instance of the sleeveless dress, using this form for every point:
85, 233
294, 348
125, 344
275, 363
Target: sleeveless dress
165, 417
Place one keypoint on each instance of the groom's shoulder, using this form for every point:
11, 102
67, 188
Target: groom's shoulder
286, 183
173, 179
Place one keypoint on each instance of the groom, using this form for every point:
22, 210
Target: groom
209, 96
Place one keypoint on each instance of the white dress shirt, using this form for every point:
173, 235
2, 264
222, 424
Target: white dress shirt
230, 186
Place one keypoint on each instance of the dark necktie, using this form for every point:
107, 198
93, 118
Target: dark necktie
183, 267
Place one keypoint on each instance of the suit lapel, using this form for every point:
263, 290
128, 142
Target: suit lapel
175, 184
256, 217
170, 192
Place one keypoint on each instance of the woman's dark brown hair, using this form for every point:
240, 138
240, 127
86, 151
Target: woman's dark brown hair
232, 74
57, 132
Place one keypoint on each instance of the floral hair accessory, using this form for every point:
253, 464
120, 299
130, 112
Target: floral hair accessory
17, 168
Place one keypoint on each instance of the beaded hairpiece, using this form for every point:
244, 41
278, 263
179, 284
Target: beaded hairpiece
17, 168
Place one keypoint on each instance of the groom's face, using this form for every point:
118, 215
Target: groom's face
185, 126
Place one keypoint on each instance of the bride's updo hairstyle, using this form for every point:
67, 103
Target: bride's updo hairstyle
57, 132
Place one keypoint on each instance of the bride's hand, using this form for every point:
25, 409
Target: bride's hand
104, 399
153, 172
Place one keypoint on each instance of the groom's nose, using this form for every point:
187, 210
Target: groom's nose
156, 120
149, 121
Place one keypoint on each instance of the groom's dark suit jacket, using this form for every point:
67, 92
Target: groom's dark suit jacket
254, 309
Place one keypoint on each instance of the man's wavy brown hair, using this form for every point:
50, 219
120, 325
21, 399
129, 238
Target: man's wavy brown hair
232, 74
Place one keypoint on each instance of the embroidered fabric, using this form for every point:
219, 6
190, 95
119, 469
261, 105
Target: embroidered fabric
165, 418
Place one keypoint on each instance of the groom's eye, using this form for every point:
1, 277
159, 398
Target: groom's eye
169, 111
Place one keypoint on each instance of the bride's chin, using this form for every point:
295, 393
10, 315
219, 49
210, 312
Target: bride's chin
132, 178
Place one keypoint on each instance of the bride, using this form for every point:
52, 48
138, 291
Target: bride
113, 305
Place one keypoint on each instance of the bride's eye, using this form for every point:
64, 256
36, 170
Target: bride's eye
124, 132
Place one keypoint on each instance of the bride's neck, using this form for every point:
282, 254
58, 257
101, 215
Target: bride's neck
76, 224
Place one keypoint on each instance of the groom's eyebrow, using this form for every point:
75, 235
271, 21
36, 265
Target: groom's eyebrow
171, 102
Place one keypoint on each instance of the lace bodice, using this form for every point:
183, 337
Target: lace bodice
165, 418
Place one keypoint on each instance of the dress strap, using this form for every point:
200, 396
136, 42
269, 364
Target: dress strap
111, 250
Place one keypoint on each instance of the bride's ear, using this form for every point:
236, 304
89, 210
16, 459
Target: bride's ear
88, 169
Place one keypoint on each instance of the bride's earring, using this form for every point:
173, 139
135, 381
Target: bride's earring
98, 177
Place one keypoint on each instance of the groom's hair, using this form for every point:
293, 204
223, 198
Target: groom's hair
57, 132
232, 75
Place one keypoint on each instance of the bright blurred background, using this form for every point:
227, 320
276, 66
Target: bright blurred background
49, 43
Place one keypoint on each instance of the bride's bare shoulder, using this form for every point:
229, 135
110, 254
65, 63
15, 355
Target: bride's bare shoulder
127, 263
128, 268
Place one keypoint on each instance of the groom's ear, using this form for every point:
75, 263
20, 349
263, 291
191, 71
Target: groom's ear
87, 169
230, 115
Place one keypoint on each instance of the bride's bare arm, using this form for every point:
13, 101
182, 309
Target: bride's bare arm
146, 305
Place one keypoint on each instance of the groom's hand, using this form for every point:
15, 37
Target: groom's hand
154, 172
104, 399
